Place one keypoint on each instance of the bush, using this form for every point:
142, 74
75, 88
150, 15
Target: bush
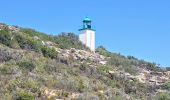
50, 68
131, 69
6, 70
130, 87
27, 42
101, 50
27, 65
24, 96
68, 41
65, 94
163, 96
153, 67
71, 84
166, 86
49, 52
5, 37
103, 70
7, 54
32, 33
81, 86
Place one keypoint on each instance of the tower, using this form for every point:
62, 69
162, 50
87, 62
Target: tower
87, 34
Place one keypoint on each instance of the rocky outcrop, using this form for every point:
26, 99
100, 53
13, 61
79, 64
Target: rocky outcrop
145, 76
83, 56
11, 28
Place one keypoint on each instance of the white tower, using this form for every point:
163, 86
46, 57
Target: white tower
87, 34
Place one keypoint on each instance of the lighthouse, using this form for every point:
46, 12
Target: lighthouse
87, 34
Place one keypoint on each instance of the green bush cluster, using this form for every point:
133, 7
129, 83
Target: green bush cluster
103, 69
16, 40
74, 85
101, 50
27, 42
6, 70
32, 33
162, 96
166, 86
49, 52
128, 64
68, 40
27, 65
22, 95
5, 37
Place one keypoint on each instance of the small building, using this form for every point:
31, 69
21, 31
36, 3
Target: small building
87, 34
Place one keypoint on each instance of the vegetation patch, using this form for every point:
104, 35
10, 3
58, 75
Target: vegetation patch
27, 65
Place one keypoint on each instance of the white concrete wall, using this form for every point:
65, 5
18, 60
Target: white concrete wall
87, 37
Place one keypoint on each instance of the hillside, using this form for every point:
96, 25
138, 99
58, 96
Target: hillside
37, 66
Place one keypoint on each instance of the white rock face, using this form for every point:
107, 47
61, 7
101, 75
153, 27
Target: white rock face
87, 37
83, 56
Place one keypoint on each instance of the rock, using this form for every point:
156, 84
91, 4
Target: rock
82, 56
43, 43
111, 72
103, 62
72, 50
75, 95
36, 38
101, 91
13, 28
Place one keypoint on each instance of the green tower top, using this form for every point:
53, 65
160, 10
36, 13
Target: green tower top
87, 19
87, 24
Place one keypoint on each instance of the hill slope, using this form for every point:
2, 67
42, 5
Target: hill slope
36, 66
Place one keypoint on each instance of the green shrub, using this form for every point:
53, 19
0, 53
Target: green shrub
101, 50
22, 95
103, 70
130, 87
166, 86
50, 68
32, 33
114, 83
65, 94
6, 70
163, 96
81, 86
5, 37
27, 65
68, 41
151, 66
71, 84
131, 69
83, 66
27, 42
6, 96
51, 82
49, 52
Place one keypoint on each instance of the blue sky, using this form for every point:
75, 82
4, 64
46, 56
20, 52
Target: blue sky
131, 27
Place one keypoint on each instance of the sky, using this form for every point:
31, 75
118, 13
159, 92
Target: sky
140, 28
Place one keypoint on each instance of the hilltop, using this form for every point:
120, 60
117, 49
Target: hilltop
37, 66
